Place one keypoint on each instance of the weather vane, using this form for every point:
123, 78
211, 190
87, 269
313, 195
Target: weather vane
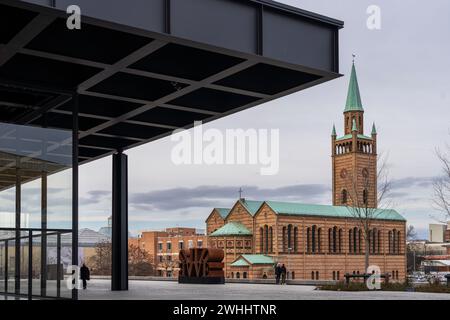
354, 56
240, 193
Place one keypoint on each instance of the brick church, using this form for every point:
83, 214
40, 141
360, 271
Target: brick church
318, 242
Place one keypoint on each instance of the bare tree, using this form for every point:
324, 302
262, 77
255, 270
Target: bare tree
100, 263
169, 265
411, 233
140, 263
442, 186
359, 204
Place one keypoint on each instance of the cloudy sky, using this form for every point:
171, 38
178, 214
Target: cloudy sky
403, 76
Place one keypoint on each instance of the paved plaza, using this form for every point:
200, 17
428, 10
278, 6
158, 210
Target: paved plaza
170, 290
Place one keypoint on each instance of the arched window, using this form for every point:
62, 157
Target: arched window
271, 239
232, 274
340, 241
293, 275
284, 239
390, 241
335, 239
313, 239
244, 275
350, 241
295, 239
266, 239
330, 240
261, 240
308, 239
370, 241
319, 240
374, 240
238, 275
355, 240
317, 275
365, 196
312, 275
334, 275
398, 242
289, 237
394, 241
344, 196
337, 275
359, 241
379, 241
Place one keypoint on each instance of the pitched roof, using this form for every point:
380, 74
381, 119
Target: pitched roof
353, 96
290, 208
223, 211
247, 259
232, 228
251, 205
349, 136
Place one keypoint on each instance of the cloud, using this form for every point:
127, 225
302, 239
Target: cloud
408, 182
214, 196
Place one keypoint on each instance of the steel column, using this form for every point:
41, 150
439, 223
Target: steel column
30, 265
6, 265
119, 279
44, 234
18, 225
75, 136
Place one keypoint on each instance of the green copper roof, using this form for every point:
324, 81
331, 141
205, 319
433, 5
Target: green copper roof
246, 259
349, 136
333, 132
223, 212
374, 130
354, 128
240, 263
353, 96
232, 228
251, 206
289, 208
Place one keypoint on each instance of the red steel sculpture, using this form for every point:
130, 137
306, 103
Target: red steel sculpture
201, 265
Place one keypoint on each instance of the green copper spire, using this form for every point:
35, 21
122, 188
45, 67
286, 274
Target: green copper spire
354, 128
353, 97
374, 130
333, 132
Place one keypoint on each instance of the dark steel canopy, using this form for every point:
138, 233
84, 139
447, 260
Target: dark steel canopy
144, 68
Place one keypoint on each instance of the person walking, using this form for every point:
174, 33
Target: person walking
283, 274
277, 273
85, 275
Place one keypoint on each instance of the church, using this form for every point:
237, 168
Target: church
318, 242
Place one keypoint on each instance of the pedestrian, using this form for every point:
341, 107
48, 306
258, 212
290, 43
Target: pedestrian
85, 275
283, 274
277, 273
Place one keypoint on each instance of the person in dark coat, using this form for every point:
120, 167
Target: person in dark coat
85, 275
283, 274
277, 273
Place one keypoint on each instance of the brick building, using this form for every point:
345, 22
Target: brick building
164, 247
317, 242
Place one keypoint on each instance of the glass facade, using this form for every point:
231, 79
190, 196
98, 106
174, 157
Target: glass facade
35, 211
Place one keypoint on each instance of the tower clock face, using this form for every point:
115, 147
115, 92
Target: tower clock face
365, 173
343, 173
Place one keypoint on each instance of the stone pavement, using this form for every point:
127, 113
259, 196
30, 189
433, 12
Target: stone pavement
170, 290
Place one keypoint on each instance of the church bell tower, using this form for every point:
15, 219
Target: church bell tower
354, 155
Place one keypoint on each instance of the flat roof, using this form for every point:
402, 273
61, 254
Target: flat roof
146, 68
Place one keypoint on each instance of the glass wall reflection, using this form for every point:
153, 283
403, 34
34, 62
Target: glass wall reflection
35, 208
